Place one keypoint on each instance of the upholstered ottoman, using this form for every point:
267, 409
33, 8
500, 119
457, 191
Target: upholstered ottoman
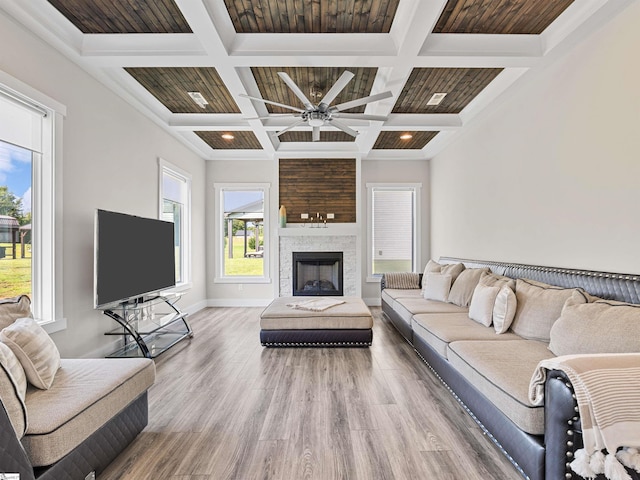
348, 324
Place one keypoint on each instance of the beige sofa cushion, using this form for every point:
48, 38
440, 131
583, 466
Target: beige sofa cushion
389, 295
539, 306
34, 348
438, 330
502, 372
600, 327
462, 290
353, 313
14, 308
13, 388
492, 279
85, 395
408, 307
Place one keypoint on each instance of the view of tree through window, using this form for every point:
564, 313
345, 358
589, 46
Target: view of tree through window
15, 220
243, 226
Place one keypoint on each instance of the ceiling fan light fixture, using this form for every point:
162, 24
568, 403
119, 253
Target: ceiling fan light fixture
316, 122
199, 99
436, 99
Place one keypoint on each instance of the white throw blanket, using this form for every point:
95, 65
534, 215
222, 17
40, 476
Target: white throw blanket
607, 389
316, 304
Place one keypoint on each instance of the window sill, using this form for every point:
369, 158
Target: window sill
374, 279
54, 326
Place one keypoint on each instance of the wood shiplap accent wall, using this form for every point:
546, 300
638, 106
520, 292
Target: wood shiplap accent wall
123, 16
317, 16
391, 140
329, 135
461, 85
171, 84
273, 88
242, 140
499, 16
319, 185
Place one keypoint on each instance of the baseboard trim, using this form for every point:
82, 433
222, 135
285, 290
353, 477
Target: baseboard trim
373, 302
239, 302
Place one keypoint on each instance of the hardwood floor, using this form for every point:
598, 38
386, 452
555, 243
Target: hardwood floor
224, 407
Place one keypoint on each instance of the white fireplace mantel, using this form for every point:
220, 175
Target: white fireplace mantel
297, 230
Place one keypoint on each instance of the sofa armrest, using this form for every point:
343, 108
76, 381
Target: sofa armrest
13, 458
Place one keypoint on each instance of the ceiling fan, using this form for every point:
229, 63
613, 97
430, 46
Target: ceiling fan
323, 113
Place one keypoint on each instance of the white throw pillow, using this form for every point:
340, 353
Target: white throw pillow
504, 309
34, 348
482, 302
437, 286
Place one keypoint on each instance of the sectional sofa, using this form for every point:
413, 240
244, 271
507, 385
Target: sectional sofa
63, 419
445, 315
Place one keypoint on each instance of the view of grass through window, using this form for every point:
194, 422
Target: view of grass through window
15, 220
243, 223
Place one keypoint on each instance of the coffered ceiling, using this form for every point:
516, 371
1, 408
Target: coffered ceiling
165, 56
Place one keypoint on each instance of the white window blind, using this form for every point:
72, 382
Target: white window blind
20, 122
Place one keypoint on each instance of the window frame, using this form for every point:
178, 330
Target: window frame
219, 276
46, 203
416, 188
167, 168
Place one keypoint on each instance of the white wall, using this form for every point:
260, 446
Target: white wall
551, 177
110, 161
391, 171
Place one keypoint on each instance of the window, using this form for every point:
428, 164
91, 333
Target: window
28, 230
175, 206
393, 228
242, 233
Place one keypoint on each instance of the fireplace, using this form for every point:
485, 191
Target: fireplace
317, 273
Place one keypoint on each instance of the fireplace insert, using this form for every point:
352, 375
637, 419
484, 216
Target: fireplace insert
317, 274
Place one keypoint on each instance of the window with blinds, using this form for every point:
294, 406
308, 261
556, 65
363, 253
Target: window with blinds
393, 229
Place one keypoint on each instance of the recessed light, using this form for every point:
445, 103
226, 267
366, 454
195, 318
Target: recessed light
406, 136
199, 99
436, 98
228, 136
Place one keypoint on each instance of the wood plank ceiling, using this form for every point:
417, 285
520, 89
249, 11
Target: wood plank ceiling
315, 67
318, 16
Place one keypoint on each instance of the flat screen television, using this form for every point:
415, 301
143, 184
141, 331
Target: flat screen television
133, 257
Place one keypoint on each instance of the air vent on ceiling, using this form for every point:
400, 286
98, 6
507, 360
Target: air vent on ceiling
436, 98
198, 98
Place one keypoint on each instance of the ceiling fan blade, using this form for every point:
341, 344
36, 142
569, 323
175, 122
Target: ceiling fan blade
316, 134
341, 126
293, 125
292, 85
273, 103
273, 115
362, 101
336, 89
360, 116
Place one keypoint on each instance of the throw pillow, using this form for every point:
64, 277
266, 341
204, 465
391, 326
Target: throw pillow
599, 327
14, 308
13, 388
482, 302
504, 309
539, 306
34, 348
492, 279
453, 269
462, 290
437, 287
430, 267
402, 280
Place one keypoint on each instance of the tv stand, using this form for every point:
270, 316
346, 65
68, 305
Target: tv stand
145, 332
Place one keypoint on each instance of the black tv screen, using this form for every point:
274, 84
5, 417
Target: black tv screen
134, 257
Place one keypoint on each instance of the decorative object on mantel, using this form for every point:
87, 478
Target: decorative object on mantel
304, 217
283, 216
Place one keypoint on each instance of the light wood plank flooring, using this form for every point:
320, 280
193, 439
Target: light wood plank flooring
224, 407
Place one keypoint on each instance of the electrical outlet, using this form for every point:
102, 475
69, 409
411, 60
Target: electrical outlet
380, 253
90, 476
